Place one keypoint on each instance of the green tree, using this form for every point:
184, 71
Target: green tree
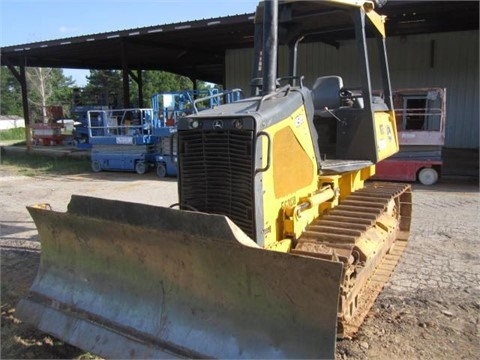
40, 90
104, 87
45, 86
62, 89
49, 86
10, 94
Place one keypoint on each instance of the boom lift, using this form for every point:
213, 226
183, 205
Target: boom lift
168, 106
278, 246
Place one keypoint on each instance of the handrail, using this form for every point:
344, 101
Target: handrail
285, 89
269, 149
293, 77
213, 96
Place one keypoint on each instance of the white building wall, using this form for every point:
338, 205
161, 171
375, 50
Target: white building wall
7, 122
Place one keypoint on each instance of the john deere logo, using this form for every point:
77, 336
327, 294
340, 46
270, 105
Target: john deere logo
218, 124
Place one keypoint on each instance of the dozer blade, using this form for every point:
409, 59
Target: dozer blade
125, 280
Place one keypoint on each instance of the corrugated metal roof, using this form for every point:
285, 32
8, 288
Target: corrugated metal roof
174, 26
197, 48
194, 48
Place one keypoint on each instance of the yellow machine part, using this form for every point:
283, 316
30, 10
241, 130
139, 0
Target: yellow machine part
367, 231
386, 134
293, 172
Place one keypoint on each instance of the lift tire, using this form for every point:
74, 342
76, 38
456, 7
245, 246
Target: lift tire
428, 176
140, 167
161, 170
96, 166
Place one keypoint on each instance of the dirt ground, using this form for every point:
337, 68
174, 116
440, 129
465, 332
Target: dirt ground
429, 310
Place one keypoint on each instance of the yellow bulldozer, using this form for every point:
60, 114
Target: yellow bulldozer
278, 245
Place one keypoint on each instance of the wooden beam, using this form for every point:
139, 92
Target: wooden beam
125, 71
22, 79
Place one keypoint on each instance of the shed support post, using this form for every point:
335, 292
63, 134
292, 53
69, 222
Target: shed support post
125, 71
22, 79
126, 89
139, 80
140, 88
194, 81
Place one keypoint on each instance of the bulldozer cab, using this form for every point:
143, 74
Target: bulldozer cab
354, 127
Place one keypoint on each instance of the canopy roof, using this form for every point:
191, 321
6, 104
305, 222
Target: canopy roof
197, 48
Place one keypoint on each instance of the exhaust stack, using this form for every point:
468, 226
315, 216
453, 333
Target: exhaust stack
270, 41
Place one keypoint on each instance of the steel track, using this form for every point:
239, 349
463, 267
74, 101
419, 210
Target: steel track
340, 230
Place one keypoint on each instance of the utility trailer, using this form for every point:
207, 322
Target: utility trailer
55, 131
47, 134
421, 119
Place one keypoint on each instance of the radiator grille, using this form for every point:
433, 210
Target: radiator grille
216, 174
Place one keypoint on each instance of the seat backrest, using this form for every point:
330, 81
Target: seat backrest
325, 92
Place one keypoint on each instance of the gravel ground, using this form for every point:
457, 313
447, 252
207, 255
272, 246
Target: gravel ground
429, 310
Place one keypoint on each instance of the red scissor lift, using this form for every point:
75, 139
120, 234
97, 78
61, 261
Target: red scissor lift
421, 116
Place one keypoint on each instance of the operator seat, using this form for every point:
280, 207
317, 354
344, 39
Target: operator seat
326, 93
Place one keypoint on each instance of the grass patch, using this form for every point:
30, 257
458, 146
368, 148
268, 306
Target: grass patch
33, 164
13, 134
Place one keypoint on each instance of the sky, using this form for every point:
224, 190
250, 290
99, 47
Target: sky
26, 21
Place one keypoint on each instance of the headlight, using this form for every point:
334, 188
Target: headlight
194, 123
238, 124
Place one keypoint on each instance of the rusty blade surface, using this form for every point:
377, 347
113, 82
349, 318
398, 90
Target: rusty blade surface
125, 280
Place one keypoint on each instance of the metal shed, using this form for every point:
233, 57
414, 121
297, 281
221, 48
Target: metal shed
447, 60
431, 43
